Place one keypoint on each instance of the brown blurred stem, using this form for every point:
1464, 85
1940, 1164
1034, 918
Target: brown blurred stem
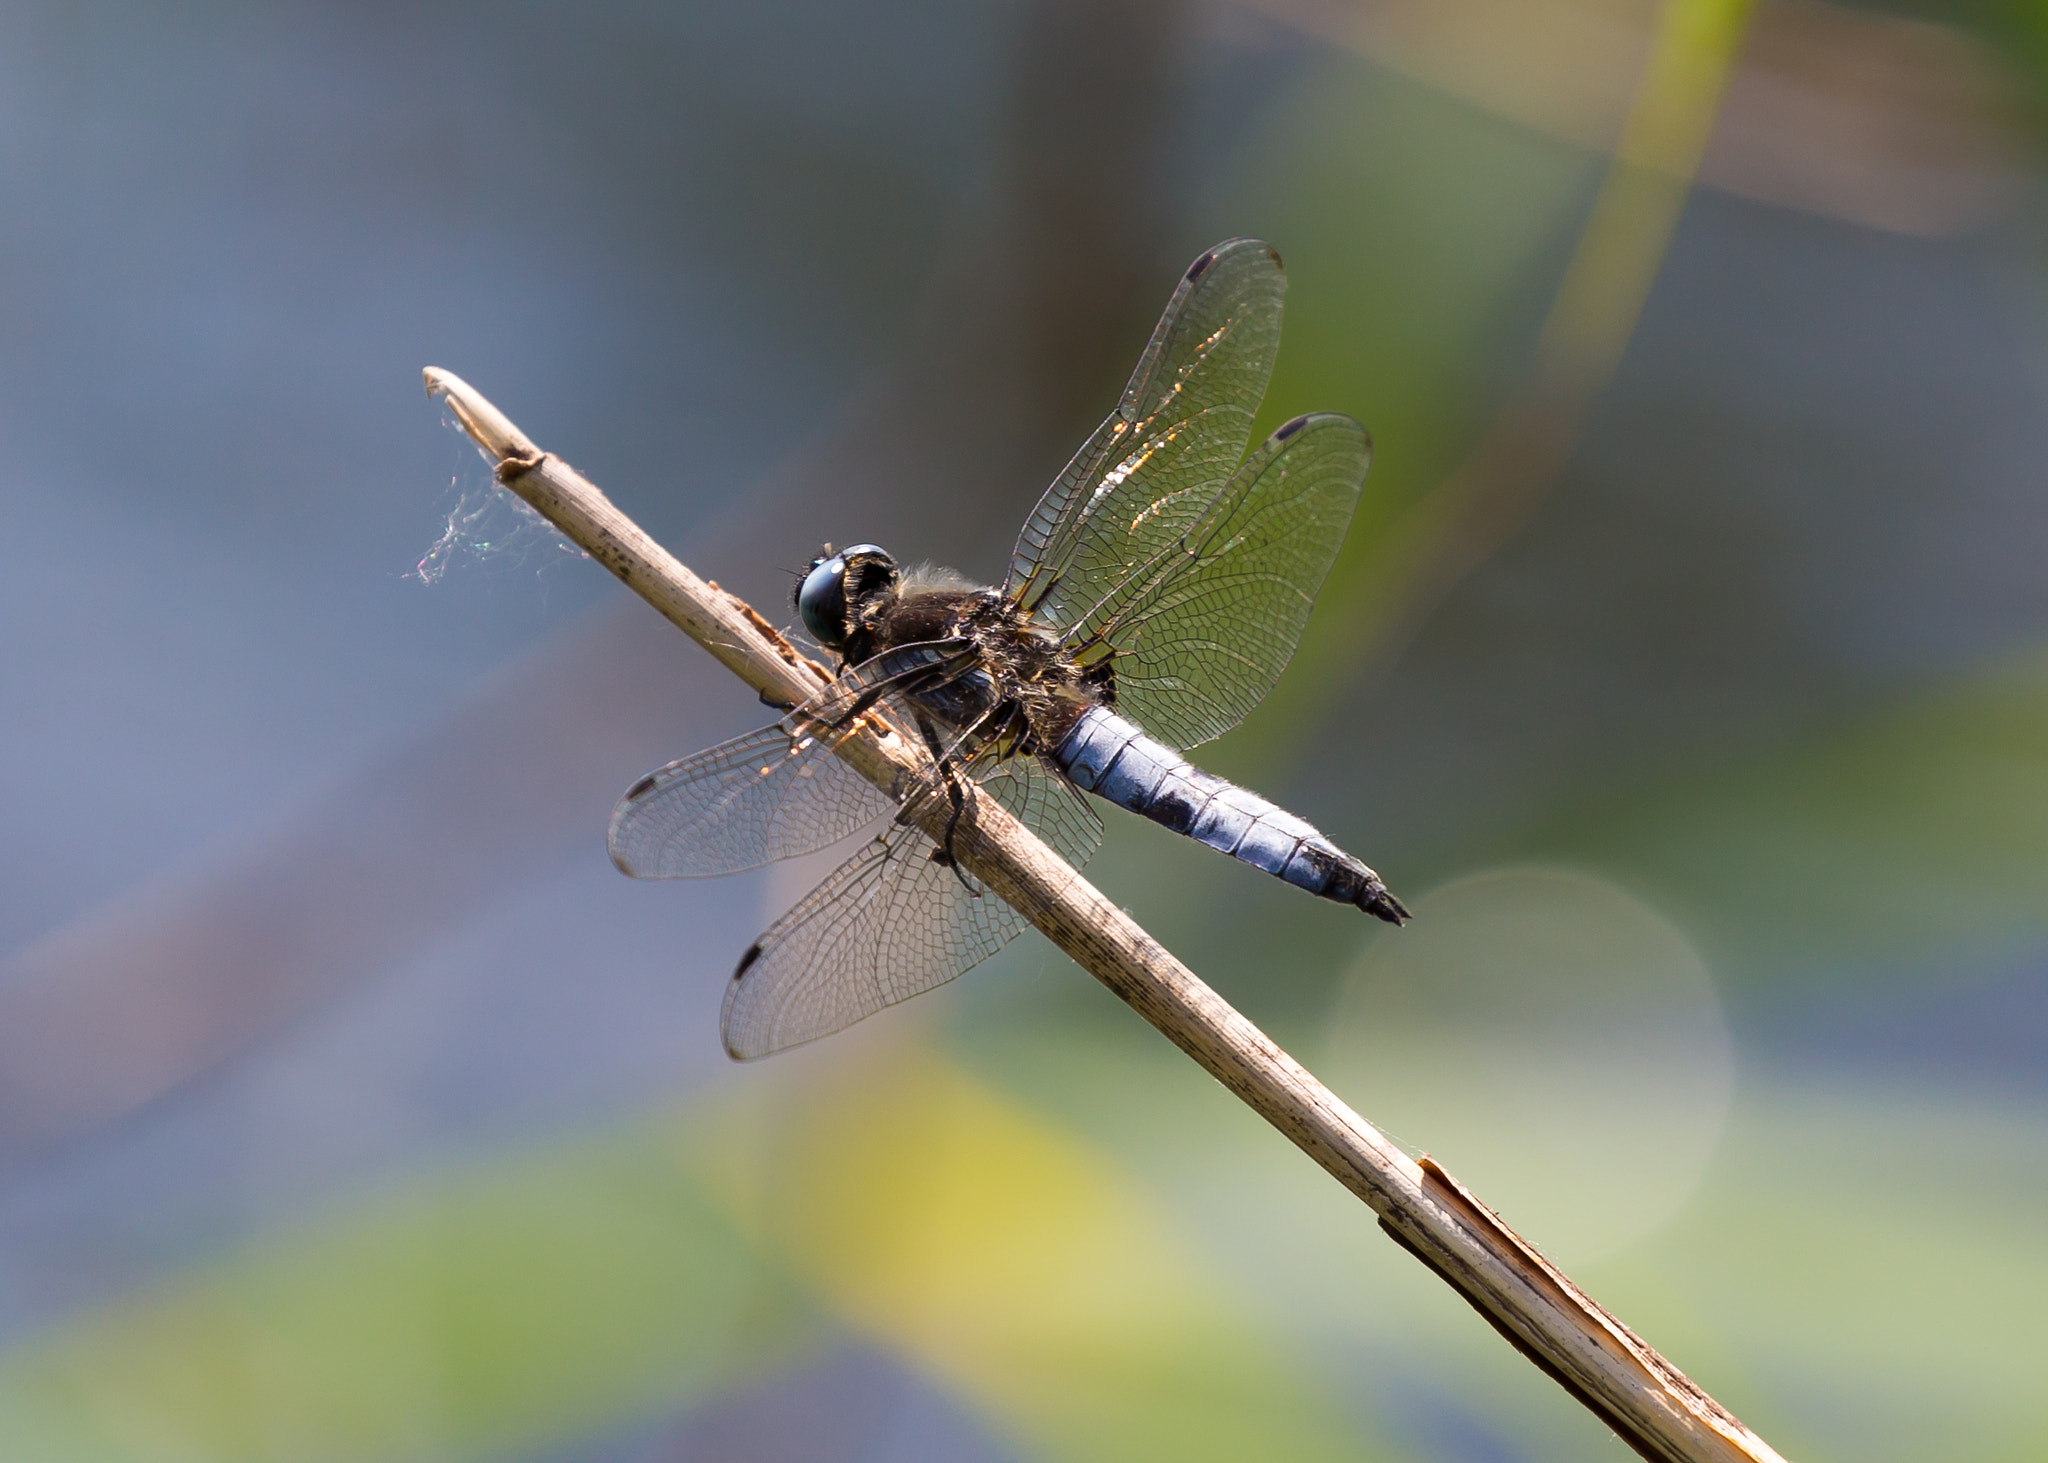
1649, 1402
1383, 600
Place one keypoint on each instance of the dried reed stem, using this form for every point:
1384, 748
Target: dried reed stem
1651, 1404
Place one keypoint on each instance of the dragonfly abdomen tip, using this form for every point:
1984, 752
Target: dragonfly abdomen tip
1375, 899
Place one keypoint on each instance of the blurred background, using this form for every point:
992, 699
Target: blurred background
1686, 670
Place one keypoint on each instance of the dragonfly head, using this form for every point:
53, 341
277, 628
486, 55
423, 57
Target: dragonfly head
837, 588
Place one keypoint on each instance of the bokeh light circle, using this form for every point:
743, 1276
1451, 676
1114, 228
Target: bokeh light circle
1553, 1041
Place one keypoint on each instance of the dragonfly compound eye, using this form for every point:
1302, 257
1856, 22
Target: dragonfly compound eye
821, 602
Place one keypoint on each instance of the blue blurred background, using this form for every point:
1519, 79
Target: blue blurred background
1687, 670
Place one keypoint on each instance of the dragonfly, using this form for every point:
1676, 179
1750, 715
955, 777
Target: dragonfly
1154, 596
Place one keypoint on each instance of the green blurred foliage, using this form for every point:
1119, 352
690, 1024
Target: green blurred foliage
1903, 836
535, 1298
1466, 221
894, 1199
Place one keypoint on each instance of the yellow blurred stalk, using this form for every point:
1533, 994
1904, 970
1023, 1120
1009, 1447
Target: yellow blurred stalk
1019, 1269
1636, 213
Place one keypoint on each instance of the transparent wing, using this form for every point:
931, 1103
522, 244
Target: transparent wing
890, 923
1047, 803
772, 794
1202, 632
901, 671
765, 796
1151, 469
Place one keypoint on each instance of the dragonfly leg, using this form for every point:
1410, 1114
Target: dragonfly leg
955, 794
903, 684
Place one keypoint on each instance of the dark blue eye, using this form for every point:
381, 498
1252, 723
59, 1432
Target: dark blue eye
821, 602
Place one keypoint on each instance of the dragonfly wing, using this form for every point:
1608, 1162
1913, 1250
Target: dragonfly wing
1151, 469
891, 922
765, 796
1205, 631
1048, 804
772, 794
904, 669
886, 925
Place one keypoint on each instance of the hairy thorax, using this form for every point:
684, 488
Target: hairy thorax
1022, 665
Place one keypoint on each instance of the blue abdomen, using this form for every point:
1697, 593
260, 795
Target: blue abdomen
1114, 759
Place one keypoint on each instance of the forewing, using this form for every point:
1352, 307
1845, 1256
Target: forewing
891, 672
891, 922
772, 794
1152, 468
1202, 633
765, 796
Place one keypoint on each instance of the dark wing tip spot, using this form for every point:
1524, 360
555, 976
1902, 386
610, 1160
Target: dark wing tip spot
1274, 255
1288, 429
746, 960
641, 788
1208, 258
